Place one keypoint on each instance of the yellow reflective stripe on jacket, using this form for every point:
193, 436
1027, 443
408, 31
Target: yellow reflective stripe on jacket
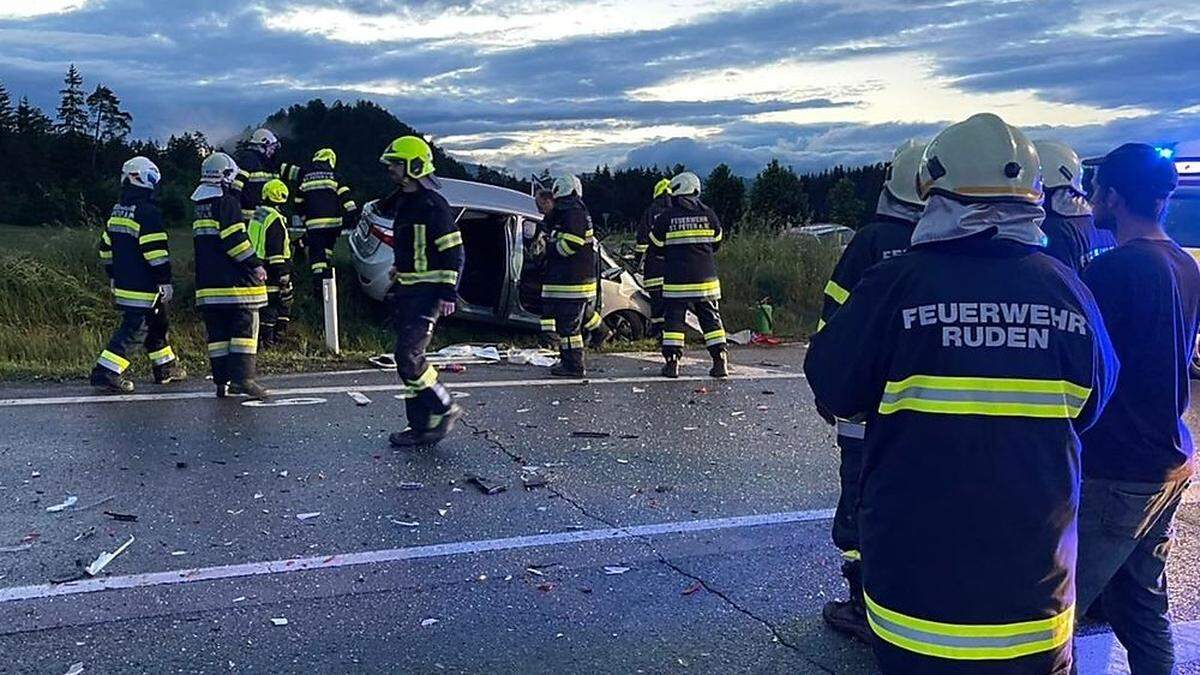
428, 277
420, 262
119, 224
232, 230
205, 226
323, 184
152, 237
569, 291
994, 396
322, 223
970, 642
641, 248
574, 239
448, 241
426, 380
839, 294
135, 295
655, 240
702, 236
241, 251
156, 254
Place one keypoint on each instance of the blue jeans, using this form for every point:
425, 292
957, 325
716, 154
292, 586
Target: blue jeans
1125, 535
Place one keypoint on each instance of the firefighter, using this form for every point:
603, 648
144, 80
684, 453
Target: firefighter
886, 236
229, 279
976, 361
652, 265
134, 251
1071, 235
326, 208
570, 286
428, 262
257, 164
268, 233
687, 235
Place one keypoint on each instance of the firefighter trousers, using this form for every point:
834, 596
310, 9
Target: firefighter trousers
139, 327
321, 243
845, 518
232, 342
425, 398
277, 315
675, 323
570, 319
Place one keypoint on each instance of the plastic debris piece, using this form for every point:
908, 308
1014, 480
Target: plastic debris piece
105, 558
452, 368
360, 399
86, 533
429, 622
443, 512
621, 460
280, 621
307, 516
411, 486
102, 502
701, 390
742, 337
737, 413
612, 570
75, 669
486, 485
123, 517
181, 465
545, 587
531, 481
696, 587
404, 523
67, 503
590, 434
178, 553
240, 598
15, 549
36, 474
639, 390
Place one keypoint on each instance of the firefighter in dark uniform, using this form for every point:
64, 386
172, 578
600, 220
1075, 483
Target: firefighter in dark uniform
325, 205
976, 360
268, 233
134, 251
257, 164
886, 236
229, 279
1071, 233
652, 265
428, 262
687, 235
569, 287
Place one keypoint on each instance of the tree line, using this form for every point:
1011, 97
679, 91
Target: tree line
63, 168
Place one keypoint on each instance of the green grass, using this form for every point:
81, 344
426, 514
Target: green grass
56, 312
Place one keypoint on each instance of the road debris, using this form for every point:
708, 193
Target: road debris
307, 516
75, 669
533, 480
486, 485
178, 553
696, 587
93, 505
621, 460
105, 558
639, 390
15, 549
360, 399
542, 358
404, 523
426, 623
67, 503
279, 621
86, 533
590, 434
613, 570
181, 465
123, 517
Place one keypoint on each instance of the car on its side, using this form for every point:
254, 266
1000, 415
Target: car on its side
502, 277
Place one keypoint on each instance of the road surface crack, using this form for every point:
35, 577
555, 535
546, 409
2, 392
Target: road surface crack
662, 559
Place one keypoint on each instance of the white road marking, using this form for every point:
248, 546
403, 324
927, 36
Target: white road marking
39, 591
281, 402
313, 391
1101, 654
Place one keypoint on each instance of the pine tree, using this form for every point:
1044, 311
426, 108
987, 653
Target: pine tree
72, 117
777, 198
106, 120
31, 120
725, 194
8, 116
845, 208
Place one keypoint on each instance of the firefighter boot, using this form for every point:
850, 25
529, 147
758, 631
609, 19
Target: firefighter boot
169, 372
850, 616
720, 367
248, 388
599, 335
570, 364
266, 336
671, 367
441, 427
112, 382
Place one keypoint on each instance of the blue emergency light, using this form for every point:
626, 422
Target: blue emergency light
1165, 152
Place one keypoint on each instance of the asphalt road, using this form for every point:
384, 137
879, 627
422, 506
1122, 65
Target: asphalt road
686, 532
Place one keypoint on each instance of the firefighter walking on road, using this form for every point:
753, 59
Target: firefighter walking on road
976, 361
886, 236
134, 250
687, 236
429, 260
326, 207
570, 285
229, 279
268, 233
257, 164
652, 265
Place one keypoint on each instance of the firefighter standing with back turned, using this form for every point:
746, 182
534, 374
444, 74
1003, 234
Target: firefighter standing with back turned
268, 233
326, 207
652, 265
1071, 233
976, 360
134, 251
428, 262
229, 279
257, 164
569, 287
687, 235
886, 236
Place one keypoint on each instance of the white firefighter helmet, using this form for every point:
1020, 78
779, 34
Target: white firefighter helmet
264, 139
901, 179
982, 159
218, 169
140, 172
685, 184
566, 184
1061, 165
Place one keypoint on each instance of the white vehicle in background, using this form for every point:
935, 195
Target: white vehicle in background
839, 235
501, 280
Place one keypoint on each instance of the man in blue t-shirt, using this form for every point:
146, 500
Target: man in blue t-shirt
1137, 459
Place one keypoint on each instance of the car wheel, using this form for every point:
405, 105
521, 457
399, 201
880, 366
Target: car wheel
626, 325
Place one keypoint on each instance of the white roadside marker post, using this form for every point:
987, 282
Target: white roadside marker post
329, 297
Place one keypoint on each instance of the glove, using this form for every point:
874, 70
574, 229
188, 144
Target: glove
165, 293
446, 307
260, 274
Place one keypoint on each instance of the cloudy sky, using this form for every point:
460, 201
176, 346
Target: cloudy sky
529, 84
